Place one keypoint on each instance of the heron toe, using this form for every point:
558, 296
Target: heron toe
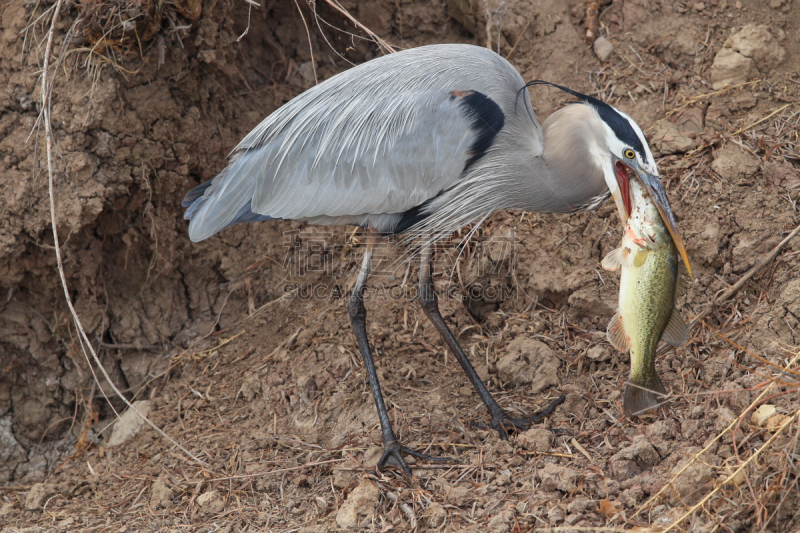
504, 424
393, 456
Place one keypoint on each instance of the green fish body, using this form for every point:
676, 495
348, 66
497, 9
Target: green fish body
649, 262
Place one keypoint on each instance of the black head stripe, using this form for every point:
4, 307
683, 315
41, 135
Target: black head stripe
618, 124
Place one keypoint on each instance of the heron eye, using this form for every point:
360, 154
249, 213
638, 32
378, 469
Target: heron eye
629, 153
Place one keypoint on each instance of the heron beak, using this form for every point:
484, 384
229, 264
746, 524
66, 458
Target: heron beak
653, 186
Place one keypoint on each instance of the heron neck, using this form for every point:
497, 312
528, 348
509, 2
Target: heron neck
568, 175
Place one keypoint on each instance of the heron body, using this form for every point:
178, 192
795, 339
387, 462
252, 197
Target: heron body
423, 142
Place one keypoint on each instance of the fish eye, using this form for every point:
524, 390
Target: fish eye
630, 154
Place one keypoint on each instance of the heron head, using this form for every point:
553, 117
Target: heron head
622, 152
629, 157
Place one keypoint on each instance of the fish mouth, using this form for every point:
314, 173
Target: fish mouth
623, 180
653, 187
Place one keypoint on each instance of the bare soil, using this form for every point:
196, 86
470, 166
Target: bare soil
242, 343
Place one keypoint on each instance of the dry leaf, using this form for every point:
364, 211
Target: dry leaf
608, 508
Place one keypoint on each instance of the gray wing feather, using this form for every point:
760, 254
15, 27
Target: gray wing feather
380, 138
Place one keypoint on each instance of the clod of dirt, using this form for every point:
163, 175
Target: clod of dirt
529, 361
603, 48
668, 139
251, 386
536, 440
129, 423
435, 515
691, 485
639, 456
690, 120
343, 476
38, 495
211, 502
790, 297
732, 163
782, 174
160, 494
731, 68
745, 55
555, 477
501, 522
359, 503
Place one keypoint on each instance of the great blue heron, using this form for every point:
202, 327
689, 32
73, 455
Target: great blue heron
425, 141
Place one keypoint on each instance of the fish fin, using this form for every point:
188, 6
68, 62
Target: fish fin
616, 333
676, 333
613, 260
641, 397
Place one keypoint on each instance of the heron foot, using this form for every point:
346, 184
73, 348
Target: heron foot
393, 456
504, 424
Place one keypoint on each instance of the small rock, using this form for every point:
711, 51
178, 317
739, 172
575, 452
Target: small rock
668, 139
38, 495
7, 509
536, 440
435, 515
160, 494
359, 503
603, 48
129, 423
211, 502
691, 485
598, 353
762, 414
555, 477
529, 361
300, 480
635, 458
732, 163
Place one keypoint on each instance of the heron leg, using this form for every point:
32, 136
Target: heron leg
392, 449
501, 422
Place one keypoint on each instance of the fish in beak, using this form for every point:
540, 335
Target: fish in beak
651, 183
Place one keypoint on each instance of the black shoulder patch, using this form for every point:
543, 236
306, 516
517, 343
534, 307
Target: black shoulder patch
618, 124
412, 216
487, 121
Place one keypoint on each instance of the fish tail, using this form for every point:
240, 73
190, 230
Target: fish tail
641, 397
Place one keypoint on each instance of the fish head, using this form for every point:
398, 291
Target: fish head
628, 168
